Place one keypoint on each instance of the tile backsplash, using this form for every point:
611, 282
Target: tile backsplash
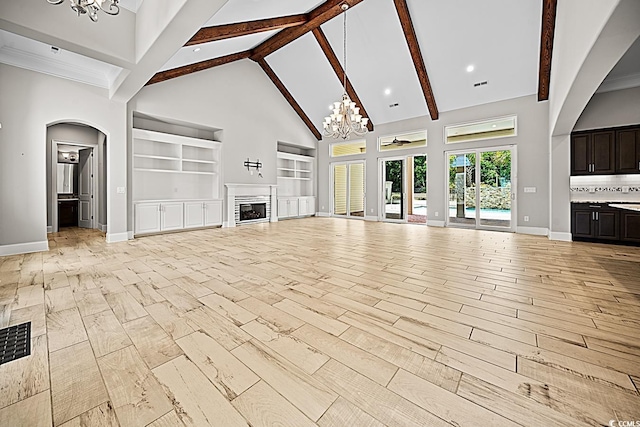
605, 188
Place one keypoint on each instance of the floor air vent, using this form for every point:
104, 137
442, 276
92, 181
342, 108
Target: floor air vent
15, 342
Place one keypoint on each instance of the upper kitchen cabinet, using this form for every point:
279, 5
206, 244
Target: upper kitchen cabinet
593, 153
628, 151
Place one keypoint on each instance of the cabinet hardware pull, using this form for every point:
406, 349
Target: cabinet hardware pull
593, 216
595, 206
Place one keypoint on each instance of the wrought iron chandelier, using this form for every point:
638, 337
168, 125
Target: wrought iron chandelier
92, 7
346, 118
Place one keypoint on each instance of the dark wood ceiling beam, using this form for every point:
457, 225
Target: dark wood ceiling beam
337, 67
283, 90
318, 16
221, 32
416, 55
198, 66
546, 47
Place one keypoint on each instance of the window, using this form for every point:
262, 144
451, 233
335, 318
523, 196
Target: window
348, 148
486, 129
402, 141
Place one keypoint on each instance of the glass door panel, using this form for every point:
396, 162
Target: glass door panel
462, 189
340, 189
417, 173
394, 196
495, 188
356, 189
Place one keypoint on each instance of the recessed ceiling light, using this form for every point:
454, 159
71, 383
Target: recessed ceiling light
387, 91
470, 68
494, 126
196, 49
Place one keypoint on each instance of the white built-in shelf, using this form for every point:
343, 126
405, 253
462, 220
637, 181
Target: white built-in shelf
168, 166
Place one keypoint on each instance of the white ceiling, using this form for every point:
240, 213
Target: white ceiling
500, 38
36, 56
626, 73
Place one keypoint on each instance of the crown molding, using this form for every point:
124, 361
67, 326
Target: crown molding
54, 67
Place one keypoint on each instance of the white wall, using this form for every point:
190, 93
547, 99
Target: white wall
239, 99
30, 101
611, 109
532, 156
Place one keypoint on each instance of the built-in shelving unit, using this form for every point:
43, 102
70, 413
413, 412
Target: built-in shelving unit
296, 189
176, 181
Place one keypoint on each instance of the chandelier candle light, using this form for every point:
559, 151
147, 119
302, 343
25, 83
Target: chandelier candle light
91, 7
346, 118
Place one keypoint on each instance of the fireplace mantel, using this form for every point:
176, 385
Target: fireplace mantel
234, 190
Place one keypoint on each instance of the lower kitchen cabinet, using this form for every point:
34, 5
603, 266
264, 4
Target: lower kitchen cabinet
595, 221
630, 226
154, 217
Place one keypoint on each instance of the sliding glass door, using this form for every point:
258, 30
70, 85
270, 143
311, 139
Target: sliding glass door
348, 189
403, 191
481, 188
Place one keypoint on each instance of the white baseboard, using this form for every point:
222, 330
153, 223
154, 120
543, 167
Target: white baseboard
323, 214
371, 218
556, 235
118, 237
24, 248
434, 223
49, 229
536, 231
102, 227
130, 234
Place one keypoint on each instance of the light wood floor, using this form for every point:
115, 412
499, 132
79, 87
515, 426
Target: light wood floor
325, 322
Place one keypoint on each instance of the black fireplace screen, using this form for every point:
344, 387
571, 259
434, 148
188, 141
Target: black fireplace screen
251, 211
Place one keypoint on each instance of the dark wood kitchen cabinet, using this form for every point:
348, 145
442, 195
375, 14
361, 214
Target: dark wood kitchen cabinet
595, 221
593, 153
628, 151
630, 227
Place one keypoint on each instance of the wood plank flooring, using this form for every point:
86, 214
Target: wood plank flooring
326, 322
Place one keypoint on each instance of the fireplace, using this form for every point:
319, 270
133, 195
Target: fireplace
253, 211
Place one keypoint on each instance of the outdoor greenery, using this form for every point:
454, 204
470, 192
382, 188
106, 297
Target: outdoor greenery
394, 174
495, 168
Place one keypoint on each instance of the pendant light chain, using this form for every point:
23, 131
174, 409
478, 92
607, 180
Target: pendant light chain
346, 118
344, 52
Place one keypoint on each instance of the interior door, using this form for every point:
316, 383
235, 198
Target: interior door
85, 188
394, 191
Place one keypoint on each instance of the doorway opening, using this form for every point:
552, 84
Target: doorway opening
348, 183
76, 177
403, 196
481, 187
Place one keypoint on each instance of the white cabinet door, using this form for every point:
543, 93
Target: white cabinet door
293, 206
172, 216
311, 205
147, 218
193, 214
213, 213
303, 206
283, 208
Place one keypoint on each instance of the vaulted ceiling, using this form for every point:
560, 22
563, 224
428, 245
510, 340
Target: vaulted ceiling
406, 58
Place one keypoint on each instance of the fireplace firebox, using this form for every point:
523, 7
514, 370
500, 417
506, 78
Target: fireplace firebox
253, 211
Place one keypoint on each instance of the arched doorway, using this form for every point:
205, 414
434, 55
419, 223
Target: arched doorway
76, 176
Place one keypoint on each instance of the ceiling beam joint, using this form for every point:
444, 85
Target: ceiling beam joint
227, 31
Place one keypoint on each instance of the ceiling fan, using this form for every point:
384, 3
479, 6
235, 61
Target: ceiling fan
398, 142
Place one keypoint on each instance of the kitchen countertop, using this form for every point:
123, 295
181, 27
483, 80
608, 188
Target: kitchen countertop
631, 207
